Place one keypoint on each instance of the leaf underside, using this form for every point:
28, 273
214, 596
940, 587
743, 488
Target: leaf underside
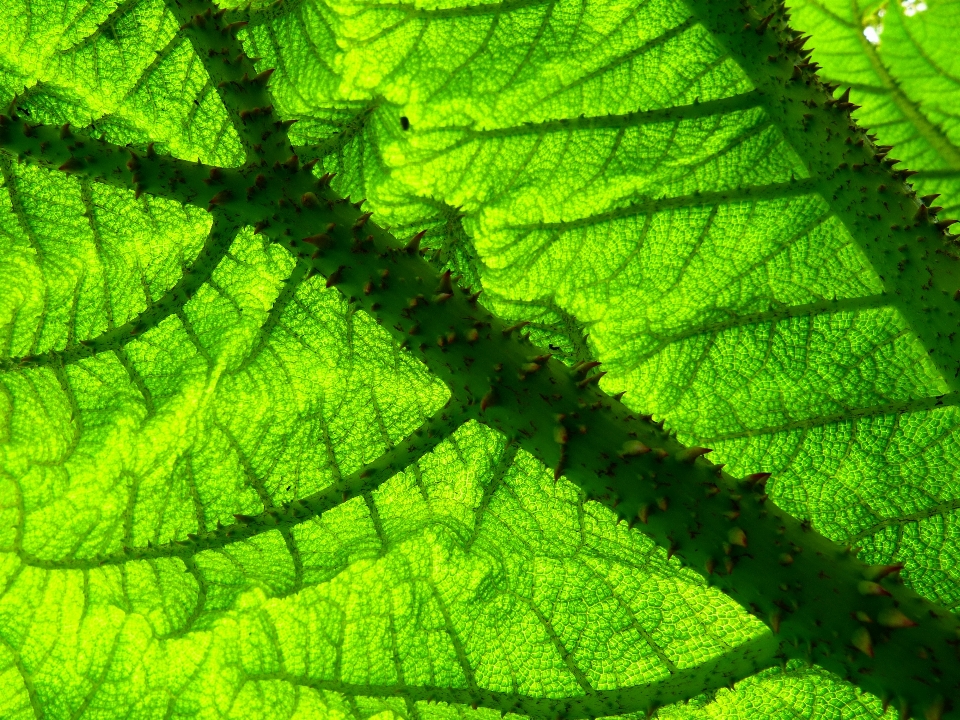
629, 179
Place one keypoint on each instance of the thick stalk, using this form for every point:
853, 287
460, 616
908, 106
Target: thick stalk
249, 104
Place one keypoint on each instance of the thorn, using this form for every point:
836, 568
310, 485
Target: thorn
762, 25
632, 448
292, 163
487, 400
871, 588
737, 536
861, 641
362, 220
775, 618
234, 28
308, 166
944, 224
243, 518
445, 285
592, 379
921, 213
309, 200
472, 299
757, 479
219, 199
261, 78
321, 241
619, 396
324, 180
894, 618
876, 572
929, 199
71, 165
65, 131
584, 367
690, 454
518, 326
335, 277
359, 203
560, 435
260, 227
413, 247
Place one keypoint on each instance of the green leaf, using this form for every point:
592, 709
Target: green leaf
900, 65
244, 472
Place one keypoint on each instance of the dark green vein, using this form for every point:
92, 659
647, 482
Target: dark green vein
219, 49
676, 113
735, 665
773, 191
933, 511
107, 26
373, 474
930, 132
412, 11
290, 286
848, 415
773, 315
348, 130
638, 51
498, 474
219, 240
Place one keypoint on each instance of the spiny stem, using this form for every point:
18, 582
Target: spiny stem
124, 167
242, 89
804, 586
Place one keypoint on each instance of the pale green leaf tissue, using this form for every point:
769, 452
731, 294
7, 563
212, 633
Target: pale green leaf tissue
527, 161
